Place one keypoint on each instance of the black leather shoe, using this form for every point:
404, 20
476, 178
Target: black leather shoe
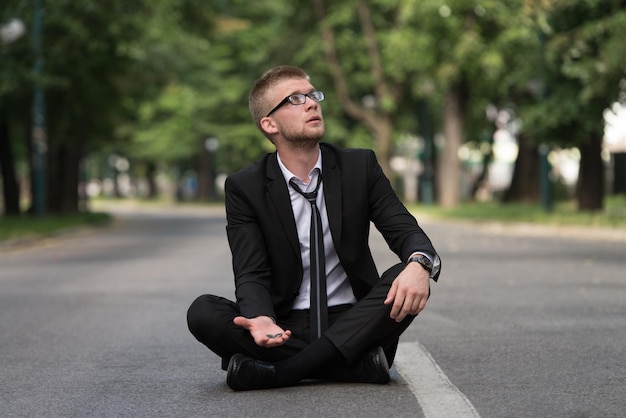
371, 367
245, 373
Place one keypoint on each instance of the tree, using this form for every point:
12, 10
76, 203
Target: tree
466, 48
216, 57
522, 86
375, 114
10, 187
83, 99
88, 101
411, 52
15, 94
584, 53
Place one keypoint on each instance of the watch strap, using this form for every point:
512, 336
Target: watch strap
423, 261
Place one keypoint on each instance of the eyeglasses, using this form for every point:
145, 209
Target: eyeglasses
299, 99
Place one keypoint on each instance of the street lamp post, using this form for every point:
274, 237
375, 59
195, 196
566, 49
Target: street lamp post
544, 165
39, 136
427, 188
211, 145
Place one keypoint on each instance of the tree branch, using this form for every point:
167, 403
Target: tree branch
365, 16
339, 78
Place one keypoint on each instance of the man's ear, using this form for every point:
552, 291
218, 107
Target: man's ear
268, 126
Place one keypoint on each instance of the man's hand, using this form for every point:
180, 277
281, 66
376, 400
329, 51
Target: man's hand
409, 292
264, 331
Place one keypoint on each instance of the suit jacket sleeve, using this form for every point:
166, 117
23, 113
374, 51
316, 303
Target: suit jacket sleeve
253, 287
396, 224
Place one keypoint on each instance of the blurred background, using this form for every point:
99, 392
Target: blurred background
462, 100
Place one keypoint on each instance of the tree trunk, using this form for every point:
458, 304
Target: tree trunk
376, 120
63, 178
619, 173
10, 189
203, 169
151, 179
484, 172
449, 168
383, 136
429, 158
525, 182
590, 187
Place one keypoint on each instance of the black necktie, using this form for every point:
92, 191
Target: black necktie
319, 308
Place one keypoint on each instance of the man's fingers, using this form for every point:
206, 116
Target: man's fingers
406, 304
391, 295
242, 321
396, 308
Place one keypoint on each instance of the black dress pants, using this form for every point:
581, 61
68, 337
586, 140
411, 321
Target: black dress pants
354, 329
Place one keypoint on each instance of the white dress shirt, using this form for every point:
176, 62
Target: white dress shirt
337, 284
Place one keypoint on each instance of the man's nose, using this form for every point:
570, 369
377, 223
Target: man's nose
310, 103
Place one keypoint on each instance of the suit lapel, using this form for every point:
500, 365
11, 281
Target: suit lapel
278, 197
332, 193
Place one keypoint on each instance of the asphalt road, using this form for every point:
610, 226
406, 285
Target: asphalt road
523, 323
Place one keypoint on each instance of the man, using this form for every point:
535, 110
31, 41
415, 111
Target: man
310, 303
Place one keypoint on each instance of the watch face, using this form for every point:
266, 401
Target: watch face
424, 261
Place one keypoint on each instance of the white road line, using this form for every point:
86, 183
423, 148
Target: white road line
437, 396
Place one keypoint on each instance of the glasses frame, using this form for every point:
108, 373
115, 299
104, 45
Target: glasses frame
299, 99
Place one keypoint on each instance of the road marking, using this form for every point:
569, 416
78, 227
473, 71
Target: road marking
437, 396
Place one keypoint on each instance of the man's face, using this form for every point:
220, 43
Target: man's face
297, 124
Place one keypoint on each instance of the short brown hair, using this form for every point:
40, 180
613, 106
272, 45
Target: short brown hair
257, 102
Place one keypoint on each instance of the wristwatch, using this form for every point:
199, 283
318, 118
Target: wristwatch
423, 261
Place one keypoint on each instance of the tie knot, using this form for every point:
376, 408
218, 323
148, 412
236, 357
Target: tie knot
310, 196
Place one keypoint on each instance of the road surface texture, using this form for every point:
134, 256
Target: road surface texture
524, 323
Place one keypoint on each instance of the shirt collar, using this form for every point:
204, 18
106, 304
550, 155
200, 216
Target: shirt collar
288, 175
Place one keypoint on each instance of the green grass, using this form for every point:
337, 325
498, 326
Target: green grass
26, 227
563, 213
614, 215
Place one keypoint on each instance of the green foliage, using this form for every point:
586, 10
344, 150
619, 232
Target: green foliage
168, 134
15, 56
209, 62
24, 228
564, 213
89, 89
581, 73
152, 79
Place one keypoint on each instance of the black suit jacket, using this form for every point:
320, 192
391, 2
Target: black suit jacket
262, 232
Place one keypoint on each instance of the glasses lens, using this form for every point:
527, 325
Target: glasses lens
318, 96
297, 99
